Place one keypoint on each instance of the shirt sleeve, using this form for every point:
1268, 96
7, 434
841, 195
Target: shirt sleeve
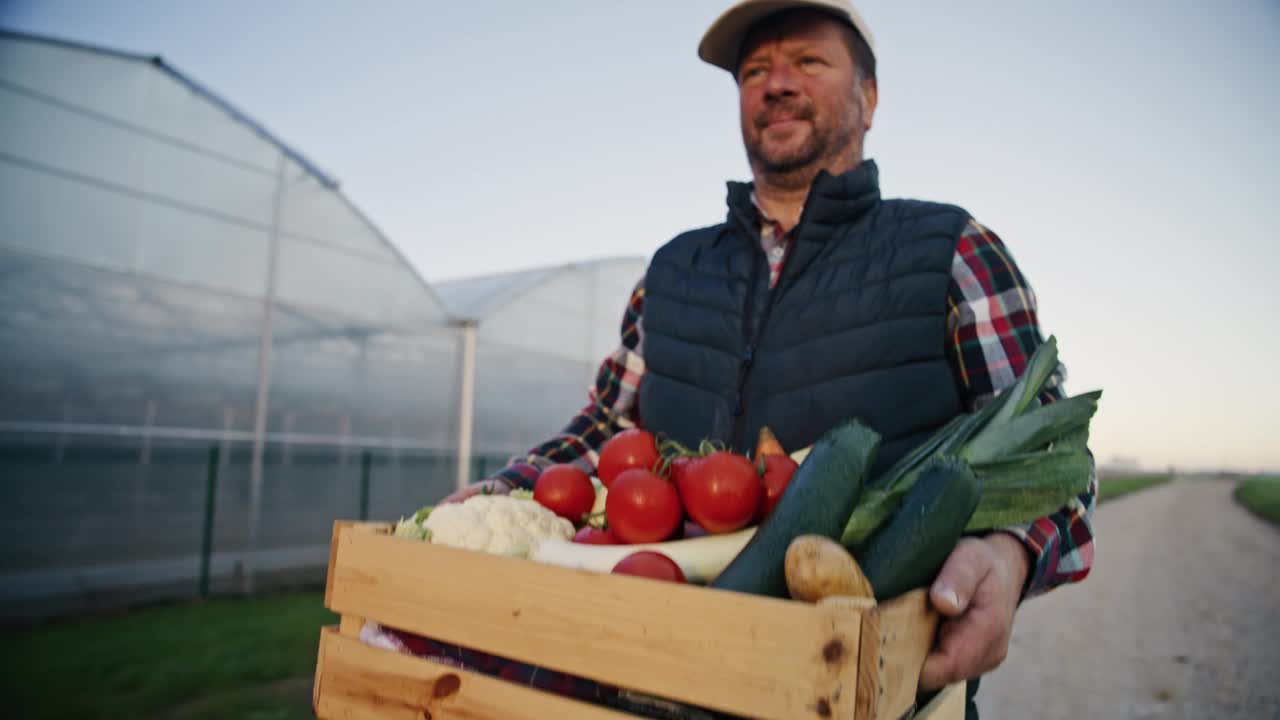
613, 407
993, 330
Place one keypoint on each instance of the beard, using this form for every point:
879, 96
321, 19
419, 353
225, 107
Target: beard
791, 163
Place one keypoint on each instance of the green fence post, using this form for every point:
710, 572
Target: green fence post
366, 462
210, 497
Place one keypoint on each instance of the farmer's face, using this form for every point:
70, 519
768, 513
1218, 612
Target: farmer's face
802, 103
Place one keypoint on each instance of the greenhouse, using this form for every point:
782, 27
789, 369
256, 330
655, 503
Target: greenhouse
209, 354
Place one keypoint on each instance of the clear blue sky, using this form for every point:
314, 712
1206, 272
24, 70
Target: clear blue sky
1125, 151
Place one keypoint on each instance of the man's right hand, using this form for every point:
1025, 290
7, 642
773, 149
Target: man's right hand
492, 486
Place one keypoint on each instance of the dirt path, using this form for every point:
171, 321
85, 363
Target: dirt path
1180, 618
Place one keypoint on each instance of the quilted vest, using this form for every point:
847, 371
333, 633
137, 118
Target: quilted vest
855, 327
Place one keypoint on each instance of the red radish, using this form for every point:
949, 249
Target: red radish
591, 535
650, 564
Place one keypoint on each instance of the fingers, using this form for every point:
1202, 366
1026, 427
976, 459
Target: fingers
974, 635
492, 487
968, 646
940, 669
958, 581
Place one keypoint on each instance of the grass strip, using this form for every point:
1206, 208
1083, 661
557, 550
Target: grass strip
137, 664
1111, 487
1262, 496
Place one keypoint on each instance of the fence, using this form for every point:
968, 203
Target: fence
99, 521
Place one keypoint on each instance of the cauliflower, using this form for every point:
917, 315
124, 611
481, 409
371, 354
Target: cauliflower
495, 524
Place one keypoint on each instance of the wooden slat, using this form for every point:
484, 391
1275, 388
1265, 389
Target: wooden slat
869, 687
946, 705
315, 688
907, 627
339, 526
742, 654
366, 682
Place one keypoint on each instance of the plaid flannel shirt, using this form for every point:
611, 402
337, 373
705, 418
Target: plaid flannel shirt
992, 331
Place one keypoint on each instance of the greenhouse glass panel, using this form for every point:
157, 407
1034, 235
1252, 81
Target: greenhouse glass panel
129, 160
311, 211
541, 336
138, 215
126, 89
344, 283
100, 347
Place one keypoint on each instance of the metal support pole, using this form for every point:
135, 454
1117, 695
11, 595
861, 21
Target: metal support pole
366, 463
466, 402
264, 379
210, 500
140, 526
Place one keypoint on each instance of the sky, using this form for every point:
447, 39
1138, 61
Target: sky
1126, 153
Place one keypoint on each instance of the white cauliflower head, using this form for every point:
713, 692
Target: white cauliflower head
496, 524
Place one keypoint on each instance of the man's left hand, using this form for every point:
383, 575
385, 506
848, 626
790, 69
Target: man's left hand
976, 592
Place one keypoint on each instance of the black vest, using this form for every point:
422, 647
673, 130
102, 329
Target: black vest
856, 326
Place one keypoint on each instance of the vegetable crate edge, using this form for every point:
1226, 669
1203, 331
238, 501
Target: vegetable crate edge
741, 654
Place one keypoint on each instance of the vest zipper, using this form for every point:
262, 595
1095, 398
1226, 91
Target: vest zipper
753, 333
749, 354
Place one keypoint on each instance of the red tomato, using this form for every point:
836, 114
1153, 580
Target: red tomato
679, 466
634, 448
642, 507
675, 473
650, 564
721, 492
591, 535
566, 491
778, 470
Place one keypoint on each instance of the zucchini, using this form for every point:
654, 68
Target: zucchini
818, 501
909, 550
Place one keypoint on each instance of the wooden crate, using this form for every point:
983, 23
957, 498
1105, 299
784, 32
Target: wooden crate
746, 655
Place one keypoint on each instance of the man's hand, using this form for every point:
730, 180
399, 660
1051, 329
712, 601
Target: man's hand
492, 486
976, 592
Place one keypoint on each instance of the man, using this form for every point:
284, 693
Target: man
817, 301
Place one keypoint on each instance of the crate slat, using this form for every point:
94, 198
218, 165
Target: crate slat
360, 682
907, 625
946, 705
747, 655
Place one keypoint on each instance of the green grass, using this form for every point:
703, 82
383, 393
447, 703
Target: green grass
1111, 487
218, 658
1262, 496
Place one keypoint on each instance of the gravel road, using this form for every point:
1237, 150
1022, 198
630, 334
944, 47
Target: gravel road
1180, 618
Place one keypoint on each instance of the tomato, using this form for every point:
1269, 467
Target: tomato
591, 535
721, 491
566, 491
642, 507
634, 448
679, 466
778, 470
650, 564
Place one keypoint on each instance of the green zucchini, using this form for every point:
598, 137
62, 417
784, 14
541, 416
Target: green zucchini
909, 550
818, 501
